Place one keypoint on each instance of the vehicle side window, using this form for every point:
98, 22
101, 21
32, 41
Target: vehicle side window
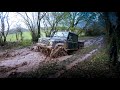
73, 38
70, 38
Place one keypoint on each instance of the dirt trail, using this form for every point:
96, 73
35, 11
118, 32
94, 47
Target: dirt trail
25, 60
81, 59
69, 66
22, 60
98, 41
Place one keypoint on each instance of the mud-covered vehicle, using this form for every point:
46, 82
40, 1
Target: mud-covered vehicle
68, 39
61, 41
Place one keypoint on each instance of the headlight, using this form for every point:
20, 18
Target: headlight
39, 40
51, 43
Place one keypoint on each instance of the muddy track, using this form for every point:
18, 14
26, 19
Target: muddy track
70, 65
73, 60
24, 60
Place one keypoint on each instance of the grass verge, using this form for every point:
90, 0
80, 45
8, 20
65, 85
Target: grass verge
95, 67
16, 45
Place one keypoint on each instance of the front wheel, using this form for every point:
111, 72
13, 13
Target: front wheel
58, 51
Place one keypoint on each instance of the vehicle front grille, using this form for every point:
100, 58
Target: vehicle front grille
45, 41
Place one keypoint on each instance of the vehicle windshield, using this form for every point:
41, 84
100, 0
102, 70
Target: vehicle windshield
61, 34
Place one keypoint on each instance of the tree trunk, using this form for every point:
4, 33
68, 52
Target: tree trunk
16, 36
4, 39
112, 27
21, 36
34, 37
39, 33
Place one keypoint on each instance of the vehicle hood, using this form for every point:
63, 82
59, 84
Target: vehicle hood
58, 39
47, 40
53, 38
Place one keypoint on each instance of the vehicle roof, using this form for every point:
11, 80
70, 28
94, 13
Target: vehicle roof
67, 32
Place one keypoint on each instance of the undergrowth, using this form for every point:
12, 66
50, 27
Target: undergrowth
97, 66
16, 45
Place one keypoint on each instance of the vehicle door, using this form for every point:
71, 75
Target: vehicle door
72, 42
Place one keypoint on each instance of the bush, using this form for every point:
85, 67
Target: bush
80, 32
91, 32
25, 43
97, 66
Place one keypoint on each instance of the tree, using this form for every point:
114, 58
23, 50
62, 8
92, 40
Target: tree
32, 21
89, 17
46, 28
5, 27
53, 19
73, 19
112, 20
40, 17
30, 24
95, 29
19, 32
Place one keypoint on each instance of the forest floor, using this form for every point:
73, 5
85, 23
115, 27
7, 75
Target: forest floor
26, 63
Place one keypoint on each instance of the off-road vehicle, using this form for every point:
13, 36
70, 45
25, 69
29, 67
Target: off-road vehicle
60, 42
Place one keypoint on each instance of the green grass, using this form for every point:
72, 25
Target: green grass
25, 43
12, 37
26, 36
17, 45
11, 40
